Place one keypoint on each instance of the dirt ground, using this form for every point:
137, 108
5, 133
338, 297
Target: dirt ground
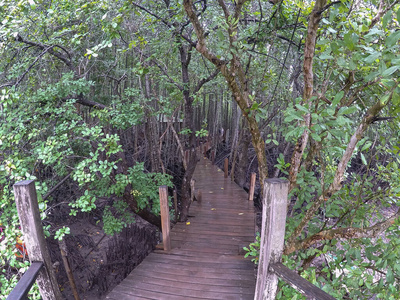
98, 261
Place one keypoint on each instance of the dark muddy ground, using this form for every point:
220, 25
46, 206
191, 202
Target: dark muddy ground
98, 261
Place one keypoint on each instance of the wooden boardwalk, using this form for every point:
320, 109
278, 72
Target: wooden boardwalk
206, 261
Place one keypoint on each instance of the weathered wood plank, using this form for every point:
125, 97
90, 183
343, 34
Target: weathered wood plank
299, 283
164, 211
272, 235
32, 229
191, 283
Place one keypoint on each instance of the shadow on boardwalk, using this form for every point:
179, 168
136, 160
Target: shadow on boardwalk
206, 261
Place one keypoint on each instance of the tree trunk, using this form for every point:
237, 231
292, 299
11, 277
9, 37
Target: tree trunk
189, 123
243, 157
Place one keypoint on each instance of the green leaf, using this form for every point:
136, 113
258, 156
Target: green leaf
393, 38
347, 110
386, 18
390, 71
371, 58
302, 108
348, 41
325, 56
398, 15
337, 98
364, 161
389, 276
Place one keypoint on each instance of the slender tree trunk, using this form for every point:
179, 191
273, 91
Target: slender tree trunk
185, 56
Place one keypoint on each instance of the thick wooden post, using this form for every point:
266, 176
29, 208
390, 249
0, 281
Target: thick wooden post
252, 186
165, 226
213, 157
272, 236
226, 165
31, 225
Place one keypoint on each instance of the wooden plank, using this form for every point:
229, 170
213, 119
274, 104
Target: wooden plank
195, 285
210, 273
182, 291
299, 283
203, 280
198, 264
124, 293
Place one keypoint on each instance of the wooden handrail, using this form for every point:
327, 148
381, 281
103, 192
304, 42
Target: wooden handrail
32, 230
271, 247
299, 283
21, 290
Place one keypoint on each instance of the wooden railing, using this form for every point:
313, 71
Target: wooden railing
21, 290
271, 247
31, 225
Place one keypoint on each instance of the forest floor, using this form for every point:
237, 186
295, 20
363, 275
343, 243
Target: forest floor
99, 261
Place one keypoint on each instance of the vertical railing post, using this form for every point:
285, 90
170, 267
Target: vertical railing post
165, 225
176, 204
272, 236
226, 165
252, 186
32, 229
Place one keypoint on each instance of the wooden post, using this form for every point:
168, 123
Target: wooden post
213, 157
192, 183
226, 165
187, 157
272, 236
176, 204
32, 229
165, 217
64, 255
252, 186
198, 196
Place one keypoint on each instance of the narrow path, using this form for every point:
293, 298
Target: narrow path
206, 261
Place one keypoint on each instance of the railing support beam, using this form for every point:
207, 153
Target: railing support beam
31, 225
165, 224
272, 236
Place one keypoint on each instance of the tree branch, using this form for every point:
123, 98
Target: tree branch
61, 57
381, 12
339, 174
309, 51
344, 233
201, 44
151, 13
205, 80
82, 100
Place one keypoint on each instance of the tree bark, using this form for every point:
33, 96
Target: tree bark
234, 75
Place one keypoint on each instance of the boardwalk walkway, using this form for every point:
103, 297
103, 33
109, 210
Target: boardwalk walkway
206, 261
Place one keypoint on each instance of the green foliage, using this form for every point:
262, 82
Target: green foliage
201, 133
145, 187
60, 233
117, 217
253, 249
